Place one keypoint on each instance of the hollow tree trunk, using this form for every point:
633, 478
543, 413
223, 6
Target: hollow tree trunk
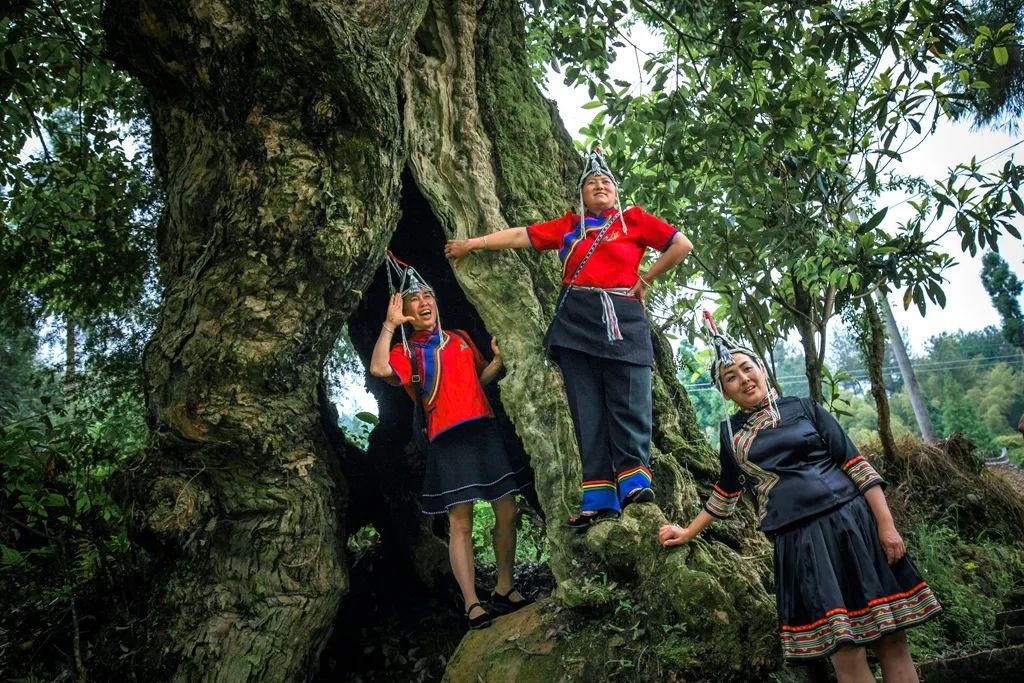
282, 131
277, 135
488, 152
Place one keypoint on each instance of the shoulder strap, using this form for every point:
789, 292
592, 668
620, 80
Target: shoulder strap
586, 257
416, 383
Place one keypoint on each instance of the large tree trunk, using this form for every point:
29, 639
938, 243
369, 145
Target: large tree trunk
278, 137
282, 132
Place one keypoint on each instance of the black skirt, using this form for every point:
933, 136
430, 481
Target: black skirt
834, 586
469, 463
581, 326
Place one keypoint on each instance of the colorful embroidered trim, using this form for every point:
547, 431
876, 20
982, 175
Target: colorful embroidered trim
720, 503
598, 484
593, 225
764, 481
863, 474
639, 469
430, 346
881, 616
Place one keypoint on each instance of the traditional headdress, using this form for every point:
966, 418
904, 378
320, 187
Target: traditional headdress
724, 348
594, 164
406, 280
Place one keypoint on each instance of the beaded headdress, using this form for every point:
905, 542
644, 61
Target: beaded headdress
595, 164
406, 280
724, 348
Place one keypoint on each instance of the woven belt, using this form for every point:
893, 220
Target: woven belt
608, 317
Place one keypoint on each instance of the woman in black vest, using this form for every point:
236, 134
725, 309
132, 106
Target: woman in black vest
843, 579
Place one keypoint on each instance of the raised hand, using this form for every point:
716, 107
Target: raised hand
395, 316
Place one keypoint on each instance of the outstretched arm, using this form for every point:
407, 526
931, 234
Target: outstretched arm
670, 534
512, 238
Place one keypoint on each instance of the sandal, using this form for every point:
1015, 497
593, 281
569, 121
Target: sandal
584, 519
640, 495
504, 604
482, 620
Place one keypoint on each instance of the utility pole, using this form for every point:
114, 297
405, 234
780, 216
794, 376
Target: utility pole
924, 423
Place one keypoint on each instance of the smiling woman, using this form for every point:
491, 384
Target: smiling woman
843, 580
600, 336
466, 460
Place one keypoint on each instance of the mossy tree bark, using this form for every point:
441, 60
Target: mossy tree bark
282, 131
278, 138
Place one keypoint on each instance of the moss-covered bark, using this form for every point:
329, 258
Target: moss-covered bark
488, 152
277, 136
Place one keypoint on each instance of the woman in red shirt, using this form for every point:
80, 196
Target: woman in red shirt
600, 336
466, 459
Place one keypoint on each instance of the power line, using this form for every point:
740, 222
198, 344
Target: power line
860, 374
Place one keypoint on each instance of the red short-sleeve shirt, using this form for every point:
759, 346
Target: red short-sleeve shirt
616, 261
450, 380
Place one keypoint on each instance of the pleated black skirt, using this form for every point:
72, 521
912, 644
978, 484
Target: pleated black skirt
834, 585
469, 463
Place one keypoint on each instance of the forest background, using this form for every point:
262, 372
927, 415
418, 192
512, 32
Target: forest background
798, 222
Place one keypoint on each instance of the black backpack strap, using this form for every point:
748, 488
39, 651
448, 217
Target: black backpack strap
415, 379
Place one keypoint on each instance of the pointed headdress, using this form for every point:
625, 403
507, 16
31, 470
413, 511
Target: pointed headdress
406, 280
724, 348
594, 164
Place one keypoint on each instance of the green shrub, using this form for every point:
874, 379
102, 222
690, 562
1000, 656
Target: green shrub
972, 580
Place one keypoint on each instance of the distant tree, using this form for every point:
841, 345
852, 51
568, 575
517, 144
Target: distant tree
960, 415
1004, 288
845, 354
998, 398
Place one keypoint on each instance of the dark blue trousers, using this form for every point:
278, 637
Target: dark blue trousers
610, 403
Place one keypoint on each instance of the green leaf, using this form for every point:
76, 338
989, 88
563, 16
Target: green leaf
1001, 54
1017, 202
872, 222
368, 418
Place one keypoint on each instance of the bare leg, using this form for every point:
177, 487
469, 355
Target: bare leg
894, 656
460, 552
505, 543
851, 664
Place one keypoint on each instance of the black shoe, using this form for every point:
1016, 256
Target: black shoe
479, 621
502, 603
644, 495
583, 521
